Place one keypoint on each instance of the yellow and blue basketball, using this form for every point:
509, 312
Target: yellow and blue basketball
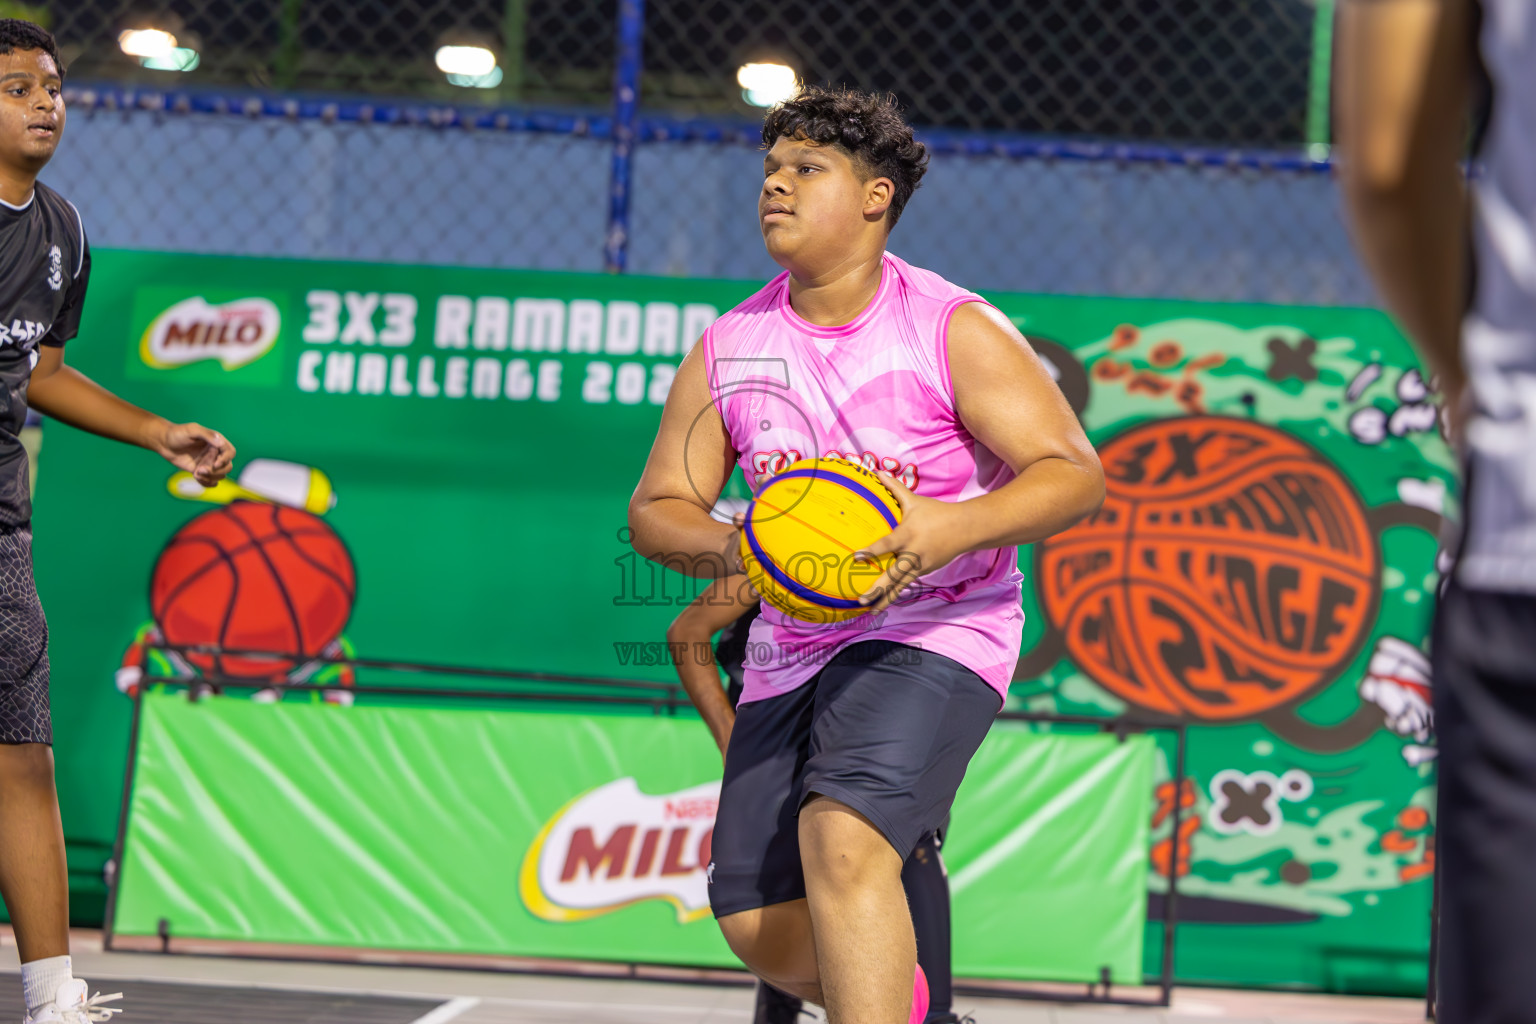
802, 530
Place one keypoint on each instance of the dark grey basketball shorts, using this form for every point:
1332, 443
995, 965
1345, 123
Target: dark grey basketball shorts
24, 714
1484, 657
884, 728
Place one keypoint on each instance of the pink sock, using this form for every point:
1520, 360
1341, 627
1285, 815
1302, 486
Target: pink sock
919, 997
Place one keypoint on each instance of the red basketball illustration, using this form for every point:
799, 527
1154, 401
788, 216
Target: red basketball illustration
253, 577
1231, 571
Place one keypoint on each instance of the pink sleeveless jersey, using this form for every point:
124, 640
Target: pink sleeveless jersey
875, 390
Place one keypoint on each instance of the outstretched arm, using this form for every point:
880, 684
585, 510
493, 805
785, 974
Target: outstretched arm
69, 396
717, 606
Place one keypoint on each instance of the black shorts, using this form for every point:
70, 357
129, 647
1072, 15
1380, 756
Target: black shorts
884, 728
24, 714
1484, 658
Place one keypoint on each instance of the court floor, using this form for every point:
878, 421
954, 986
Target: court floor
178, 989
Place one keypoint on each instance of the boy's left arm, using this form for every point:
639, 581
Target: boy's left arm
1008, 402
1403, 94
69, 396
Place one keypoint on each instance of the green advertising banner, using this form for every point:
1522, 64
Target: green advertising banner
555, 835
435, 464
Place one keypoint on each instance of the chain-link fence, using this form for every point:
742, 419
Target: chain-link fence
390, 187
1114, 147
1187, 70
549, 51
1040, 219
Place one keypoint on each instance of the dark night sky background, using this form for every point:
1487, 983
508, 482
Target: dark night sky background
1232, 72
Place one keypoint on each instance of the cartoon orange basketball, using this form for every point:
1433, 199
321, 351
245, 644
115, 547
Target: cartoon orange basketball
253, 577
1231, 571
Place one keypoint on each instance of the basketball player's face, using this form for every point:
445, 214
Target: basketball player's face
31, 108
814, 205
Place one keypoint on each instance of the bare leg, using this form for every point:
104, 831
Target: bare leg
34, 878
777, 944
865, 950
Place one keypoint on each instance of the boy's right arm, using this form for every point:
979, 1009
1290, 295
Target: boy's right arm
689, 464
717, 606
69, 396
1402, 94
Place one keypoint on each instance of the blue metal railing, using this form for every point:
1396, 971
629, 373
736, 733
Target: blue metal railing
626, 113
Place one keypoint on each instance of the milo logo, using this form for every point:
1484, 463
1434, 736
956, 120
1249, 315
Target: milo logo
233, 333
614, 846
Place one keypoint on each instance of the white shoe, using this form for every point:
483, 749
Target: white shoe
71, 1006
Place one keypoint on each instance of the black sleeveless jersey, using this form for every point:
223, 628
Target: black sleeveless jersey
44, 266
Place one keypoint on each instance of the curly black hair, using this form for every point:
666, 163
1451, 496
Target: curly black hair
16, 34
866, 126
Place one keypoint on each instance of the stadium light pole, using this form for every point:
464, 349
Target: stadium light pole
290, 47
146, 42
1320, 90
514, 33
158, 49
764, 84
626, 107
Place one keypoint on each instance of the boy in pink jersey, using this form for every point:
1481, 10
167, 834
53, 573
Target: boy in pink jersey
852, 738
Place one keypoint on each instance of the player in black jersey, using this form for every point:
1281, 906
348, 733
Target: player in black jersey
728, 607
44, 266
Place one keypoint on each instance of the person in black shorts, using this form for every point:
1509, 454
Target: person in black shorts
853, 736
1437, 134
728, 607
45, 264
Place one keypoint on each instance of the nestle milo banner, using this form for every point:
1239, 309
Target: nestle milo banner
435, 464
588, 837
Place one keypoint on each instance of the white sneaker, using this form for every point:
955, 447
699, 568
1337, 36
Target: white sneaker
71, 1006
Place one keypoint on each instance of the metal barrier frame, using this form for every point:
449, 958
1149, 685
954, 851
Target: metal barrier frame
661, 698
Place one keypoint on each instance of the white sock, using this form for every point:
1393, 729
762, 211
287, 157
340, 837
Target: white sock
41, 979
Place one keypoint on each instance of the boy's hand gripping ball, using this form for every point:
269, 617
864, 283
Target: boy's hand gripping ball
802, 529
